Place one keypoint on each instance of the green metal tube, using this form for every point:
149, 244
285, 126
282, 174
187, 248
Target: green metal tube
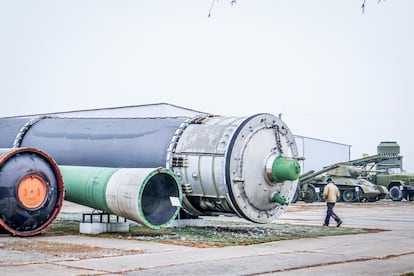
87, 185
139, 194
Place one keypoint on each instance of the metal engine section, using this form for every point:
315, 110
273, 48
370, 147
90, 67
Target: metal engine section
225, 165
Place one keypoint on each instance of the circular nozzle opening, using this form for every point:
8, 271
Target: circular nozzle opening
156, 197
279, 169
32, 191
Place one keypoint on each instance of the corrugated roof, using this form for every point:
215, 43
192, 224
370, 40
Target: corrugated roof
157, 110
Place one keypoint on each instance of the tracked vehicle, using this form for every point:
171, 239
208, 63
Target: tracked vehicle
347, 178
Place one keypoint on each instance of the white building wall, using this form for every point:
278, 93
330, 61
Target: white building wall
320, 153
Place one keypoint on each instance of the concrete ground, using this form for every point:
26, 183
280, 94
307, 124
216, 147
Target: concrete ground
388, 252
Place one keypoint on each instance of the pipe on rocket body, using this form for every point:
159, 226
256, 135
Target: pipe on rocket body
139, 194
31, 191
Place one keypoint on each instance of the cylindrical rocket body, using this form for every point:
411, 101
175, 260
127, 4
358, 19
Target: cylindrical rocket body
10, 127
121, 143
223, 162
31, 191
139, 194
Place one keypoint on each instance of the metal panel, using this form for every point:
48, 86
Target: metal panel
9, 127
104, 142
192, 175
200, 139
320, 153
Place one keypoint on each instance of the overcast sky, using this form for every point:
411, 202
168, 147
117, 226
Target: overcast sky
333, 72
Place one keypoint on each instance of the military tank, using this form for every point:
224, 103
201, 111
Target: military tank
385, 169
348, 179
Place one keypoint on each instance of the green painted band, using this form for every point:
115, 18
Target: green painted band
87, 185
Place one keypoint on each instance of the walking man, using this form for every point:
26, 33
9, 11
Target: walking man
331, 194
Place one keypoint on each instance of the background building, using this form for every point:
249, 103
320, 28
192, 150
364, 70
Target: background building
320, 153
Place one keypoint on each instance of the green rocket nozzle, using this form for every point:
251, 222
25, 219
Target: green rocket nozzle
279, 199
283, 169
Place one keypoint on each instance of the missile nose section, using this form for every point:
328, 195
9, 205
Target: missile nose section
31, 191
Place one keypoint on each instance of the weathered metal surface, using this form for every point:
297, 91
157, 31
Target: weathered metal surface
31, 191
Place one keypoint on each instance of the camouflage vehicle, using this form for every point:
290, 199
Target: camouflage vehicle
347, 178
385, 169
364, 175
400, 185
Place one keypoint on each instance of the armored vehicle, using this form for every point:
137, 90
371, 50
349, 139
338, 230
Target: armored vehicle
401, 185
351, 186
389, 172
386, 169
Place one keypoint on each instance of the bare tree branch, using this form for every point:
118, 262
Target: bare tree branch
363, 6
364, 2
211, 7
232, 2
